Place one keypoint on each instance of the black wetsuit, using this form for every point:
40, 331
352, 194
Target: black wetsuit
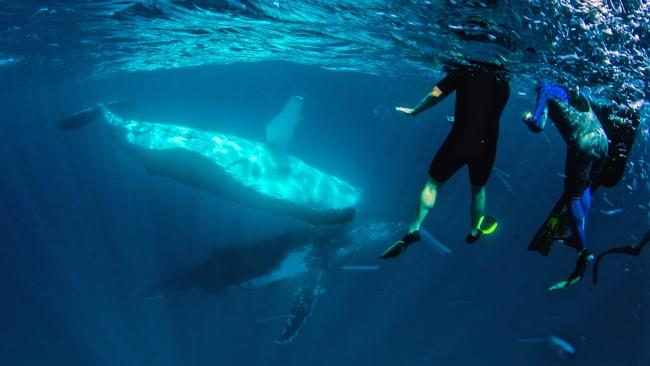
620, 123
481, 97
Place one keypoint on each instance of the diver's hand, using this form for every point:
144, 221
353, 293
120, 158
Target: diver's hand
527, 117
405, 110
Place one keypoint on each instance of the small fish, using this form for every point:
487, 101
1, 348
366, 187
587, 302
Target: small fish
569, 57
613, 212
607, 201
562, 347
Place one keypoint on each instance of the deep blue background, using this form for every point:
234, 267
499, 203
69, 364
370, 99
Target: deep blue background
85, 230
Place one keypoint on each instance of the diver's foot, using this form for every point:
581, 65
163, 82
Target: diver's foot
486, 225
584, 257
400, 246
473, 237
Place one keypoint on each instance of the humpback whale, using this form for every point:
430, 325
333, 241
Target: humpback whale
252, 173
305, 254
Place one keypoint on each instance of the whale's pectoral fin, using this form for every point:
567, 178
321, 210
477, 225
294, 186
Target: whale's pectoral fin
305, 297
279, 131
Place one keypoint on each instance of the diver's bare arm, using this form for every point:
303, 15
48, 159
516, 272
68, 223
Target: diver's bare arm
427, 102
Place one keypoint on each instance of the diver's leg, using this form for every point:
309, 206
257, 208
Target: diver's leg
578, 218
577, 191
577, 240
576, 185
481, 224
478, 206
444, 165
425, 204
480, 166
446, 162
585, 201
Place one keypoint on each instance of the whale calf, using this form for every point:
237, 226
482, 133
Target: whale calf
305, 254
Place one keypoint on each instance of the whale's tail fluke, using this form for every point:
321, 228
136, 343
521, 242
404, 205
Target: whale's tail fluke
80, 119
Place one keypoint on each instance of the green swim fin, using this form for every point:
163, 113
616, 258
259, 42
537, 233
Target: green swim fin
564, 284
584, 257
486, 226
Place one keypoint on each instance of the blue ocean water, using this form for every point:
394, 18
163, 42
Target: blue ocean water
87, 231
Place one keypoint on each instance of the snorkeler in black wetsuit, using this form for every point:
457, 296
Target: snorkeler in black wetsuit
482, 91
586, 146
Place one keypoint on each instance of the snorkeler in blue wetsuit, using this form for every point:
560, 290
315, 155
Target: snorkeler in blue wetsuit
586, 147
